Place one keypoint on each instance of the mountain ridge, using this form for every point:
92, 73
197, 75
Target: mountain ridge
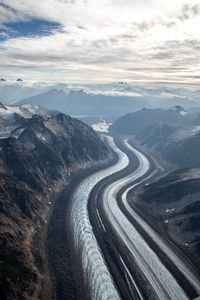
136, 122
110, 106
34, 166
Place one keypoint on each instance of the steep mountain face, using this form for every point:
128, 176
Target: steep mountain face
134, 123
172, 204
177, 144
39, 150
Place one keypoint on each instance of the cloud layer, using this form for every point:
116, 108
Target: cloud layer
104, 40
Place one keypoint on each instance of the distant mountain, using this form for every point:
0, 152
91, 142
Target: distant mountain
82, 103
91, 101
50, 99
86, 105
39, 151
136, 122
11, 93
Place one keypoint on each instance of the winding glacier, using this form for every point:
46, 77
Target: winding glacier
161, 280
95, 271
180, 264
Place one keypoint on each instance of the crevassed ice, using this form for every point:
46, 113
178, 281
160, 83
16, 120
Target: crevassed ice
96, 274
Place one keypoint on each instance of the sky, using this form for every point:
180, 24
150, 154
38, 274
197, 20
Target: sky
146, 42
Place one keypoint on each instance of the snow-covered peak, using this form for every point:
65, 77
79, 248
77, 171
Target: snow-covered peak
10, 125
24, 110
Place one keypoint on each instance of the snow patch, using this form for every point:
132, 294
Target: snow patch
192, 174
31, 108
169, 210
101, 126
18, 132
196, 129
40, 136
10, 110
24, 110
183, 112
6, 131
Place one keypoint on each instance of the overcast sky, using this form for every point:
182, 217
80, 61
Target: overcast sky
142, 42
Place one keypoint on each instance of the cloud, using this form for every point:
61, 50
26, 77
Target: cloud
189, 11
104, 39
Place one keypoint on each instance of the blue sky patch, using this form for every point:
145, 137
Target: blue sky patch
29, 28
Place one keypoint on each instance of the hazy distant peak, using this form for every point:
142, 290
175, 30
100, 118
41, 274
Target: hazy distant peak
56, 91
80, 93
179, 109
120, 82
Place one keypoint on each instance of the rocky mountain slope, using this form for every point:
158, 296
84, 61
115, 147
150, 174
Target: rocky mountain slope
177, 144
172, 206
39, 151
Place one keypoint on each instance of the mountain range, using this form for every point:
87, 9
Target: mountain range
89, 106
98, 101
136, 122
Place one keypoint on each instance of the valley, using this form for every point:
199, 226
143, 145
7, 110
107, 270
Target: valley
99, 150
114, 218
102, 216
